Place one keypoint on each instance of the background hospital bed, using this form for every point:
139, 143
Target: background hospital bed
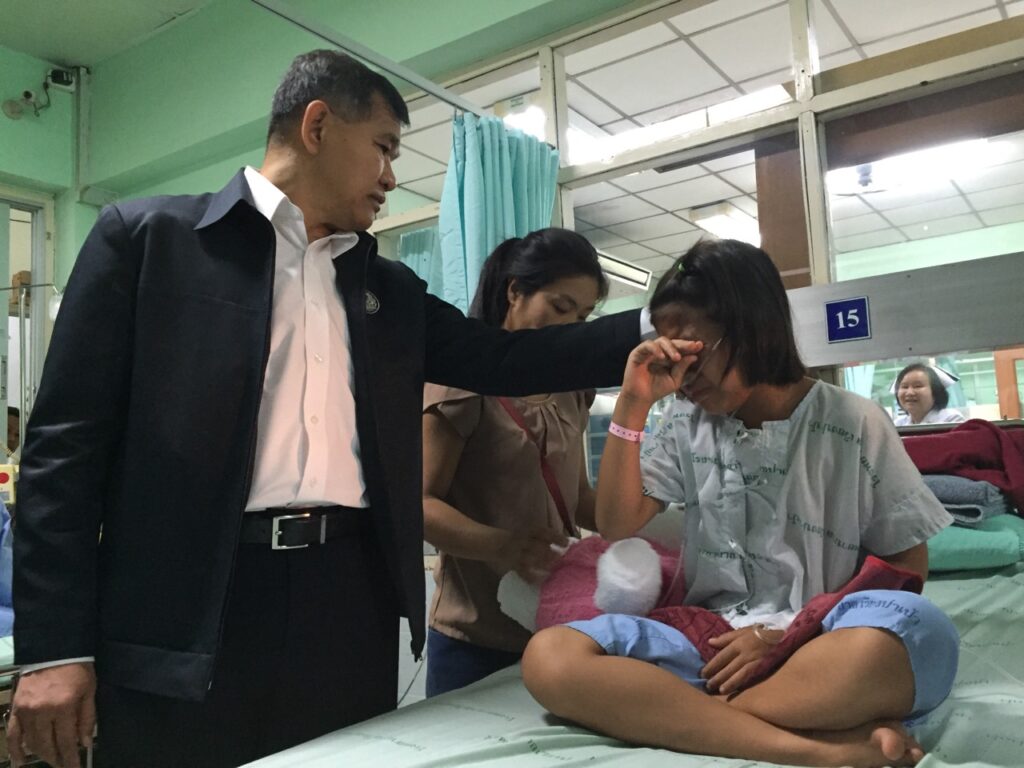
495, 723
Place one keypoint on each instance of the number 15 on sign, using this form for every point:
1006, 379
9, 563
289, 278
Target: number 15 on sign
848, 319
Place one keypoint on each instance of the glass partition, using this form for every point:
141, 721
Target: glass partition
676, 70
649, 218
970, 379
926, 183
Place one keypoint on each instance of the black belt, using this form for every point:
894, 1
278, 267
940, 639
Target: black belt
295, 528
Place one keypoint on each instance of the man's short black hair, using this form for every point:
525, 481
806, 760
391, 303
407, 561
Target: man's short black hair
347, 85
12, 411
736, 286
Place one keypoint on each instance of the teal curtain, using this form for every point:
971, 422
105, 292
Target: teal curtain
420, 250
500, 184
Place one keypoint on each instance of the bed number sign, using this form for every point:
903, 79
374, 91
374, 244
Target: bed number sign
848, 319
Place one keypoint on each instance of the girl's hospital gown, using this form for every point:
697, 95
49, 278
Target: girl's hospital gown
777, 515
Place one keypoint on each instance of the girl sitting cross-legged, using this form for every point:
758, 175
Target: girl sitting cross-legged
788, 484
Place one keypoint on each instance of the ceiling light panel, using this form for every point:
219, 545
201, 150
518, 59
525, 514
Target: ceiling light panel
828, 35
997, 198
619, 48
653, 226
657, 264
688, 105
430, 187
744, 177
856, 225
616, 211
940, 227
589, 105
846, 207
869, 240
714, 13
729, 161
411, 165
435, 142
651, 179
895, 198
640, 83
1011, 214
751, 46
602, 238
922, 212
675, 244
992, 177
688, 194
633, 252
746, 204
595, 193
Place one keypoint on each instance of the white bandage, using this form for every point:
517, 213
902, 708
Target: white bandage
519, 599
628, 578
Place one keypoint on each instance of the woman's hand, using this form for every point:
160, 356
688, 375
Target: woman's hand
740, 651
655, 368
529, 553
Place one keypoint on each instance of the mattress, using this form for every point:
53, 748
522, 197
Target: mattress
495, 722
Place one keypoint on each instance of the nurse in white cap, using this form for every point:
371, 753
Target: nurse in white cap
921, 392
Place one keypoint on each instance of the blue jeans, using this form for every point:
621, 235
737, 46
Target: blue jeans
453, 664
929, 636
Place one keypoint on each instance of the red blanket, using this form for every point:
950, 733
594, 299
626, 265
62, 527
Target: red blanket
700, 625
568, 592
977, 450
568, 595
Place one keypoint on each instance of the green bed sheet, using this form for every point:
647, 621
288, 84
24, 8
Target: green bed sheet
495, 723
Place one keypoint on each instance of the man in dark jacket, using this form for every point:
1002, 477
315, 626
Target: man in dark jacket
220, 519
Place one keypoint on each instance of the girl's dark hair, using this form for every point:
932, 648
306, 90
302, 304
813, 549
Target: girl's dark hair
534, 261
940, 396
737, 287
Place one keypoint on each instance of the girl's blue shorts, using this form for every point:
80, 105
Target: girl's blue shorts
929, 636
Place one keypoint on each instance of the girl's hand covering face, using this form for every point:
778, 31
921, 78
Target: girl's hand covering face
655, 369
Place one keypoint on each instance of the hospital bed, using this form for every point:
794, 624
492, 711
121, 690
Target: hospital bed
496, 724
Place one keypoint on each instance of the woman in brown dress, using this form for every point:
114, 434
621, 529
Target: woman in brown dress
489, 504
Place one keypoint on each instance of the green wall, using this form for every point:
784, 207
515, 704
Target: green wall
35, 152
200, 92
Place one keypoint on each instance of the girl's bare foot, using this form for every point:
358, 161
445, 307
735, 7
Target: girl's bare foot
873, 745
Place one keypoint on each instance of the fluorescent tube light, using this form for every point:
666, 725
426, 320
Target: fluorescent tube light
726, 221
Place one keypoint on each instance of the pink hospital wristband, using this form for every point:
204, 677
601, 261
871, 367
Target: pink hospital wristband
631, 435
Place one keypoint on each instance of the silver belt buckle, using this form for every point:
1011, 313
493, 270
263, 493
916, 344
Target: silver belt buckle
275, 531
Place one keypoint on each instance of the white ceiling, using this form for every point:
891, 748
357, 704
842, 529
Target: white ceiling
715, 53
84, 32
